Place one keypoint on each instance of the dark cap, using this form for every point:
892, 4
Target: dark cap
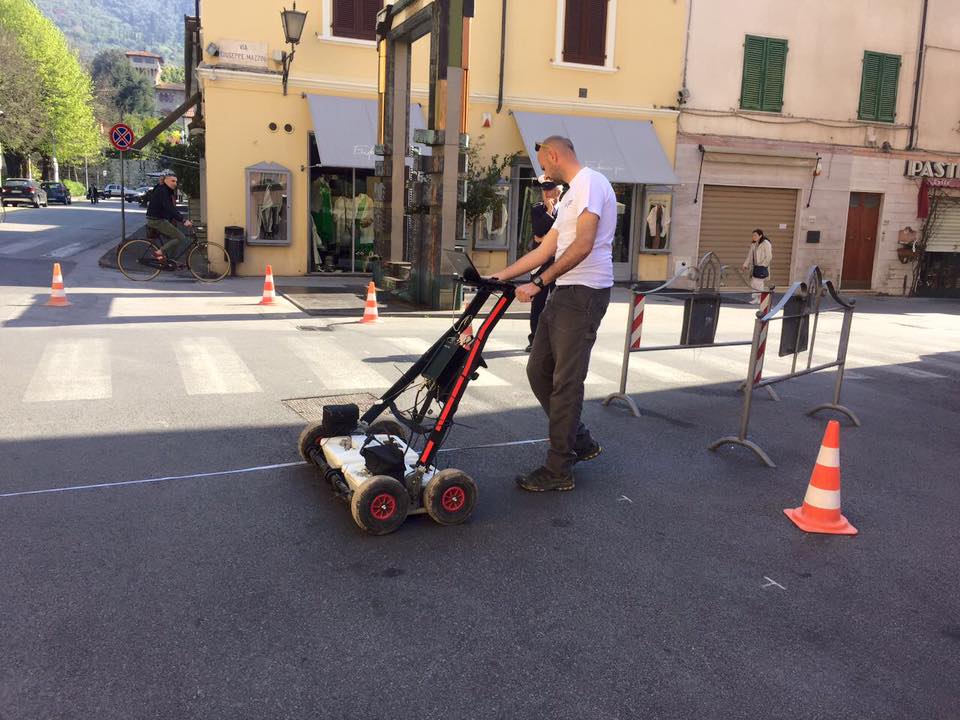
547, 184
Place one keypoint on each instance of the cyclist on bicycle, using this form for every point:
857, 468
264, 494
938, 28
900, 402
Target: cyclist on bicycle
162, 213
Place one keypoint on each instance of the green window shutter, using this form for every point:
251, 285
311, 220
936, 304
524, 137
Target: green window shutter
870, 85
751, 88
775, 67
887, 95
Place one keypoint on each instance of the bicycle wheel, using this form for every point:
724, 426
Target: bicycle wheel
136, 261
208, 262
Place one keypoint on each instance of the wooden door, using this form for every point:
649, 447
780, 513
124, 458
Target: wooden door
863, 218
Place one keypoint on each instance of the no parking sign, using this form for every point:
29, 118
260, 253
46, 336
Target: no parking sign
121, 137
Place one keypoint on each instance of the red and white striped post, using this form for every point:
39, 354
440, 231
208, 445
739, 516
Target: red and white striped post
634, 332
762, 347
636, 324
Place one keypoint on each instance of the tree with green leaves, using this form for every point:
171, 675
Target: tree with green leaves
64, 87
173, 74
19, 100
120, 90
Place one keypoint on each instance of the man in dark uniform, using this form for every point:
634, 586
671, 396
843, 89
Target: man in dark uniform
542, 216
162, 213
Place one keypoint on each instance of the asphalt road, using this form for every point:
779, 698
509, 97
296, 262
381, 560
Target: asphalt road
60, 232
667, 585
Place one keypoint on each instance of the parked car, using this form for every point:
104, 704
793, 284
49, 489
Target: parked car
110, 191
144, 199
23, 191
57, 192
114, 191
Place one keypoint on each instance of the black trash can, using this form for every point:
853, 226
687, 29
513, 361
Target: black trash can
234, 239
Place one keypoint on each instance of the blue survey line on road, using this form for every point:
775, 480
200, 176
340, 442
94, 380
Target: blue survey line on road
219, 473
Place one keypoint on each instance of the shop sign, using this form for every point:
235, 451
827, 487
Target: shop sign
931, 169
247, 54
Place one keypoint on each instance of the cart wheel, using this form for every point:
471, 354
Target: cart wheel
450, 496
380, 505
310, 440
388, 427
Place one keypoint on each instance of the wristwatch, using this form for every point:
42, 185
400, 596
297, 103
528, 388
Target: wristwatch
538, 281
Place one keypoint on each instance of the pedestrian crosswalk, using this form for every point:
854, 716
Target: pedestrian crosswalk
98, 369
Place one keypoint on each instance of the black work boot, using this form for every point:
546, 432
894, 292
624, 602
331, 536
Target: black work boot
542, 480
588, 450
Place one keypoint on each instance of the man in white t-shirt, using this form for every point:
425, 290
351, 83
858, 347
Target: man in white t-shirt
582, 241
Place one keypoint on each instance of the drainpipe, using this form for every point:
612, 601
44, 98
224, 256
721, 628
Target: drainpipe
916, 84
503, 52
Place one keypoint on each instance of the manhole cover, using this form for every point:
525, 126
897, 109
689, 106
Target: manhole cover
311, 408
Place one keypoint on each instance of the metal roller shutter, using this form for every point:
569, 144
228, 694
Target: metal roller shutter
946, 234
730, 214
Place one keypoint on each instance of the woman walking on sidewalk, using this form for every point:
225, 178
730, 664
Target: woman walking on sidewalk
758, 263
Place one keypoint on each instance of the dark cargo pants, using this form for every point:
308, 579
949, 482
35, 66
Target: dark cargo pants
176, 241
558, 366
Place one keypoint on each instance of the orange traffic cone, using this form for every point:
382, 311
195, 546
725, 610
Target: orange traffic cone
370, 313
58, 297
820, 512
268, 291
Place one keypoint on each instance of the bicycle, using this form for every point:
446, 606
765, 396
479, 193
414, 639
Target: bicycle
206, 261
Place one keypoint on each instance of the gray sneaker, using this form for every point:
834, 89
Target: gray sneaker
542, 480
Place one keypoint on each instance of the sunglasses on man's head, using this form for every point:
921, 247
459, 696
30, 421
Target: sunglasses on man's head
537, 146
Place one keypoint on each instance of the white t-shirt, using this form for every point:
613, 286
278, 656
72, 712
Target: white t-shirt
589, 190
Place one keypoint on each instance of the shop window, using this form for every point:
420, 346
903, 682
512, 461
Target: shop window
490, 231
621, 237
656, 221
585, 32
343, 211
268, 205
878, 87
764, 67
355, 19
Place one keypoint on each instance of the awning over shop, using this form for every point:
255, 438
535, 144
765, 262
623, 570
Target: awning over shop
346, 129
626, 151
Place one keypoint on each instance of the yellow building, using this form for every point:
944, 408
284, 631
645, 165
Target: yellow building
294, 170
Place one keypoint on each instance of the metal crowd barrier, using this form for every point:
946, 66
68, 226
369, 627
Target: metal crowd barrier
700, 317
794, 309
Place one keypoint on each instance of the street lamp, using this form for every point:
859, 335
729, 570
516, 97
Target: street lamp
293, 22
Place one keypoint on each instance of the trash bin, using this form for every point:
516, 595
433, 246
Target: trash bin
234, 239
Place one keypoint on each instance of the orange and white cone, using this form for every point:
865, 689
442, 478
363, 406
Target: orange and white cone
820, 512
269, 293
370, 313
58, 296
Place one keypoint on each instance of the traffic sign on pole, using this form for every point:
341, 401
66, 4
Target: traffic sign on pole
121, 137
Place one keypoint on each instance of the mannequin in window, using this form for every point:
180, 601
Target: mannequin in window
321, 210
363, 215
658, 224
268, 212
342, 221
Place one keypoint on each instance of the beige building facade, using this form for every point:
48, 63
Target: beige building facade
802, 119
296, 171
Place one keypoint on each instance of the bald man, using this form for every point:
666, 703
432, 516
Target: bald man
581, 239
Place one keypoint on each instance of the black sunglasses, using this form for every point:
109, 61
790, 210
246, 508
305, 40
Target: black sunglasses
537, 146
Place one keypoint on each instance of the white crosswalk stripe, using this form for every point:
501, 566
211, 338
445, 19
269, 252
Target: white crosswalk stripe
643, 366
336, 368
416, 347
209, 366
519, 358
71, 370
867, 363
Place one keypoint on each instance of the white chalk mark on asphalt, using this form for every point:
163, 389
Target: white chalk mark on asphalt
771, 583
220, 473
624, 498
496, 445
169, 478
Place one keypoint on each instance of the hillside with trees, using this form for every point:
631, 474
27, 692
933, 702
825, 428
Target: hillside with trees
95, 25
